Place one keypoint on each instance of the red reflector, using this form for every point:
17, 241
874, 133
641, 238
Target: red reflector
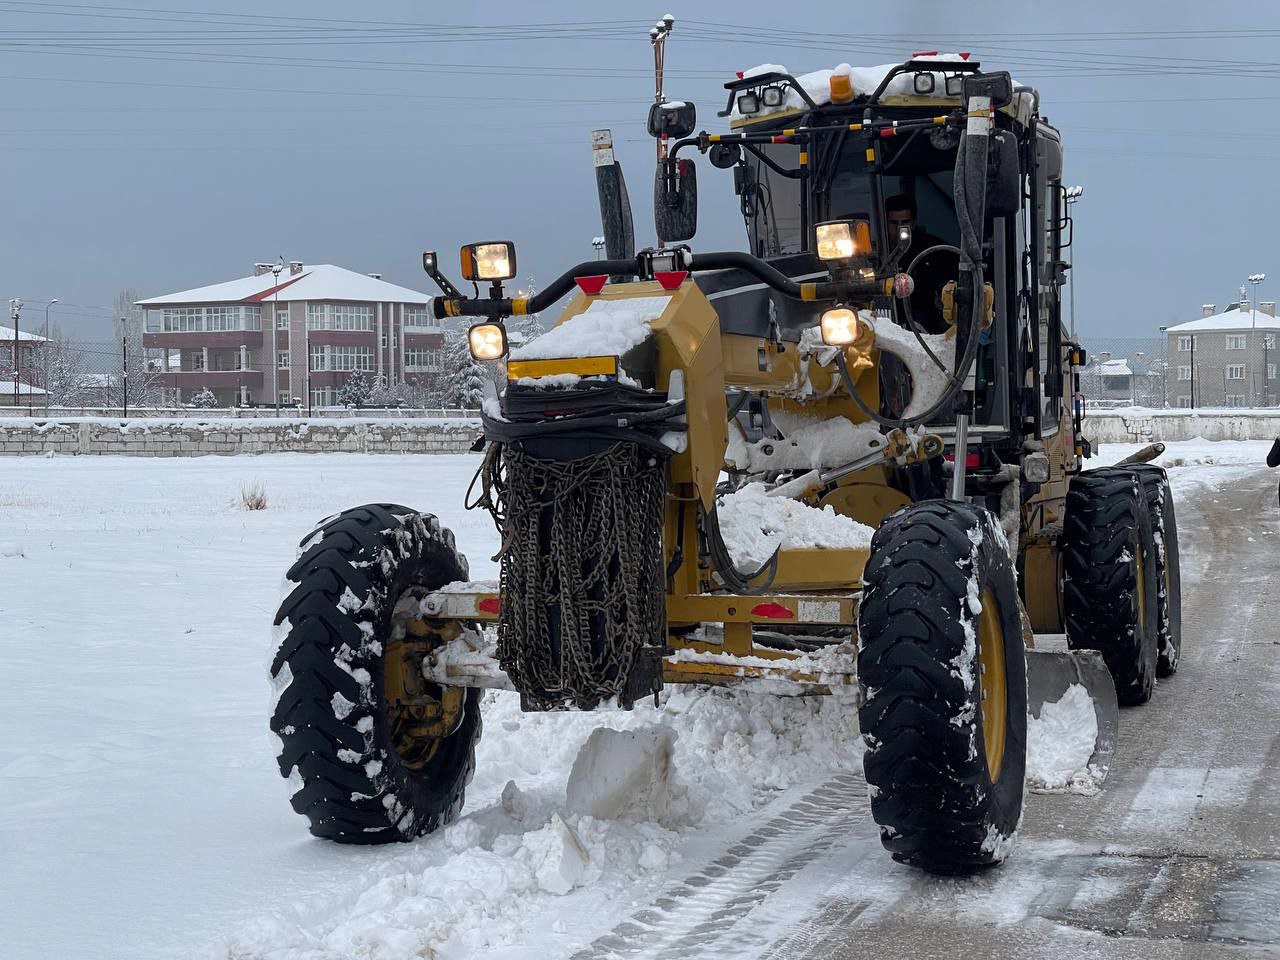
740, 73
888, 132
489, 605
774, 611
780, 138
591, 285
965, 55
970, 460
925, 53
670, 279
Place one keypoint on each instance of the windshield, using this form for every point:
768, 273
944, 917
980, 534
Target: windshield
772, 204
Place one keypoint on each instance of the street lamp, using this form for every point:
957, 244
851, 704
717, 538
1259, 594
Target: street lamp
274, 363
1073, 195
1255, 279
44, 355
15, 311
598, 243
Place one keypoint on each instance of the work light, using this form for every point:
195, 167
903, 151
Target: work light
843, 239
488, 341
748, 103
922, 83
495, 260
839, 327
772, 96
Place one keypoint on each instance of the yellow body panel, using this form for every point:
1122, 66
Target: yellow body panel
582, 366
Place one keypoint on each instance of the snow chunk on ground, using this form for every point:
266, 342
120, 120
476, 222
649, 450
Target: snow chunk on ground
754, 525
558, 856
1060, 743
605, 328
621, 773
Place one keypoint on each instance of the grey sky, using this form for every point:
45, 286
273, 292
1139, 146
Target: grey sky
164, 144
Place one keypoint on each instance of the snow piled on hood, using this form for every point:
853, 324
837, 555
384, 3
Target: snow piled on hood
607, 328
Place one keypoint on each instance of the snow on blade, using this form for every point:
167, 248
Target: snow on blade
754, 525
607, 328
1060, 743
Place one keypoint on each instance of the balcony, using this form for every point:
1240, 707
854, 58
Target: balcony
227, 379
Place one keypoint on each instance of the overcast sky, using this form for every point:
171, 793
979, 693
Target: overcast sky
171, 145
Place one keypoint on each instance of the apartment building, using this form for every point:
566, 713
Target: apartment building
1225, 359
29, 349
269, 338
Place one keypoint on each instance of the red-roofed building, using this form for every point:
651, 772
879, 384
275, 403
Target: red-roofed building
249, 340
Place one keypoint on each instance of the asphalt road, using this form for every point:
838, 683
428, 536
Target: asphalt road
1177, 857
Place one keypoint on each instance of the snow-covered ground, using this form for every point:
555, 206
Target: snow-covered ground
146, 818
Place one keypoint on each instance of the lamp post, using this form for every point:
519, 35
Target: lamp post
598, 244
1255, 279
44, 354
1073, 195
274, 364
15, 312
1133, 378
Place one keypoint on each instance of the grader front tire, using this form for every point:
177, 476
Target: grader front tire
943, 676
350, 711
1159, 497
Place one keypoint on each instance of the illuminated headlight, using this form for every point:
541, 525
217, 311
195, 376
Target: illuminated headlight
843, 239
489, 261
488, 341
839, 327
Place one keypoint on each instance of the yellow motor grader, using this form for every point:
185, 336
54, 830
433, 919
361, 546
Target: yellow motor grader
879, 391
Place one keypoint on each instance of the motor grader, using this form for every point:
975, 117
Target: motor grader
883, 373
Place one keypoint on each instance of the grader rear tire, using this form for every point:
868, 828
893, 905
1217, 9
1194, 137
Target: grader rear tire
942, 672
364, 772
1159, 497
1110, 586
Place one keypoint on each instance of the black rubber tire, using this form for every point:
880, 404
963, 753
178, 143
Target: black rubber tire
1159, 497
335, 740
1106, 529
931, 791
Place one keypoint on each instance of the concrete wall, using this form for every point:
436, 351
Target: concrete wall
1134, 426
193, 438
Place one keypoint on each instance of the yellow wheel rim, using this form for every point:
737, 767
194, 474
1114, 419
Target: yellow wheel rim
420, 714
993, 685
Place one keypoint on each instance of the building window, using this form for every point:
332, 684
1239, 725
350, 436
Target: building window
419, 359
282, 359
1184, 402
197, 360
285, 399
351, 358
1235, 341
384, 341
1235, 400
318, 359
1271, 371
183, 320
1184, 344
198, 319
1184, 373
1235, 371
418, 317
282, 318
323, 397
339, 316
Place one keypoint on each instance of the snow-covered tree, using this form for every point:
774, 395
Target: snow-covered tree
356, 391
204, 399
464, 376
380, 394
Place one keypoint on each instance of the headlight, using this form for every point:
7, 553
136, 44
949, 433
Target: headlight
843, 239
488, 341
839, 327
489, 261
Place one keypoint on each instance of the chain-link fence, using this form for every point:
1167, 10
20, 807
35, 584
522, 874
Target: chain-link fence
1126, 371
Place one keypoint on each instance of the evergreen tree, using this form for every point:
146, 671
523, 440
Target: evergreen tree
356, 390
464, 376
204, 399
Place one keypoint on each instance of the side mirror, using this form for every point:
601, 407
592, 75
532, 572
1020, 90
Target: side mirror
675, 200
672, 118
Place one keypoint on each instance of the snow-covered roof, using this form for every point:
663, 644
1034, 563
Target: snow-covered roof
864, 80
1115, 368
6, 389
322, 281
1229, 320
6, 335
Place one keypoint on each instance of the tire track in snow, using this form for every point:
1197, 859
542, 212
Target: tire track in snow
700, 914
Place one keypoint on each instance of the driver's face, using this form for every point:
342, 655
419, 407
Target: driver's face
899, 219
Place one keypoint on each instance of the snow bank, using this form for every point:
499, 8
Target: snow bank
754, 525
498, 878
621, 773
606, 328
1060, 743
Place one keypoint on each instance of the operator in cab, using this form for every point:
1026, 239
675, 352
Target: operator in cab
932, 273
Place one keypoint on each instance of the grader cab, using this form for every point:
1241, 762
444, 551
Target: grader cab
846, 460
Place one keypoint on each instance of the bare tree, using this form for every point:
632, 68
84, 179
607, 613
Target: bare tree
146, 388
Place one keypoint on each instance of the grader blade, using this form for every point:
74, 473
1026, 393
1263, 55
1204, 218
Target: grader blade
1051, 673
